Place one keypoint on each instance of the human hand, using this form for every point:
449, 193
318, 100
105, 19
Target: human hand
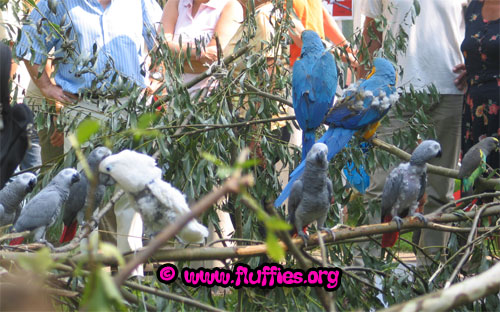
57, 137
460, 82
55, 92
209, 54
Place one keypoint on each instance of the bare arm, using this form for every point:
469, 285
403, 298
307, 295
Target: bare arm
296, 32
372, 44
48, 88
227, 25
332, 30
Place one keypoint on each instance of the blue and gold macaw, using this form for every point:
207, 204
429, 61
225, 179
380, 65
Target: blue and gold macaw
314, 83
360, 110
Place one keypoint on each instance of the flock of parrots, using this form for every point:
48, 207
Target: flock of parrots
309, 190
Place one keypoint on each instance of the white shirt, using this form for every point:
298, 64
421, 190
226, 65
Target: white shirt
200, 27
433, 40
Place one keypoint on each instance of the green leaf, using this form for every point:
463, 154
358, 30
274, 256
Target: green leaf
110, 250
276, 224
86, 129
101, 293
147, 120
274, 249
416, 5
42, 262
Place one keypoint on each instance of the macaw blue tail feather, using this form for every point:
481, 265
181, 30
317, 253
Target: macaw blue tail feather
308, 140
336, 139
357, 177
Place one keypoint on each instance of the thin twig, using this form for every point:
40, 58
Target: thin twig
438, 271
172, 296
268, 95
419, 249
469, 249
86, 230
468, 291
243, 240
402, 263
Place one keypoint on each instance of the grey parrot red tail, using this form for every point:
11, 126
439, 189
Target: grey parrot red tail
69, 232
389, 239
16, 241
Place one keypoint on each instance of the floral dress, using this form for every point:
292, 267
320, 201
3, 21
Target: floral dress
481, 50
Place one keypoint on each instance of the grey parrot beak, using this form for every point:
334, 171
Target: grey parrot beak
439, 154
320, 156
75, 178
31, 185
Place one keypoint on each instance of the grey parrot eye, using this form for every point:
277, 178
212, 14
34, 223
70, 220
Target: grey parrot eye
108, 169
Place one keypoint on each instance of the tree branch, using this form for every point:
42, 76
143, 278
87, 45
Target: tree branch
86, 230
471, 289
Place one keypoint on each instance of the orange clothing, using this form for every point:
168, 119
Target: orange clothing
310, 13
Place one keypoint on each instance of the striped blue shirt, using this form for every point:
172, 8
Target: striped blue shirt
116, 33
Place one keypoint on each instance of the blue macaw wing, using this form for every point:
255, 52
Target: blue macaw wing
324, 84
314, 86
301, 90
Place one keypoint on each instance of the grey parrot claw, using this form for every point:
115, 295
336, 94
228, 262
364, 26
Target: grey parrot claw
304, 237
332, 234
421, 218
399, 222
46, 243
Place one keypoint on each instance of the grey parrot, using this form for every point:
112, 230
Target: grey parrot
79, 196
44, 208
158, 202
312, 193
13, 194
405, 186
474, 162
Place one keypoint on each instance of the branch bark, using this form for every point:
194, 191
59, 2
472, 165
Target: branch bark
213, 253
471, 289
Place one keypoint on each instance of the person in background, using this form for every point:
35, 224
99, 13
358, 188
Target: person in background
480, 75
312, 15
117, 30
9, 28
14, 121
200, 21
433, 48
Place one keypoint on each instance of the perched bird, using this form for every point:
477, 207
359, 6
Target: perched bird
44, 208
13, 194
474, 162
312, 194
360, 110
79, 194
405, 186
314, 83
158, 202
